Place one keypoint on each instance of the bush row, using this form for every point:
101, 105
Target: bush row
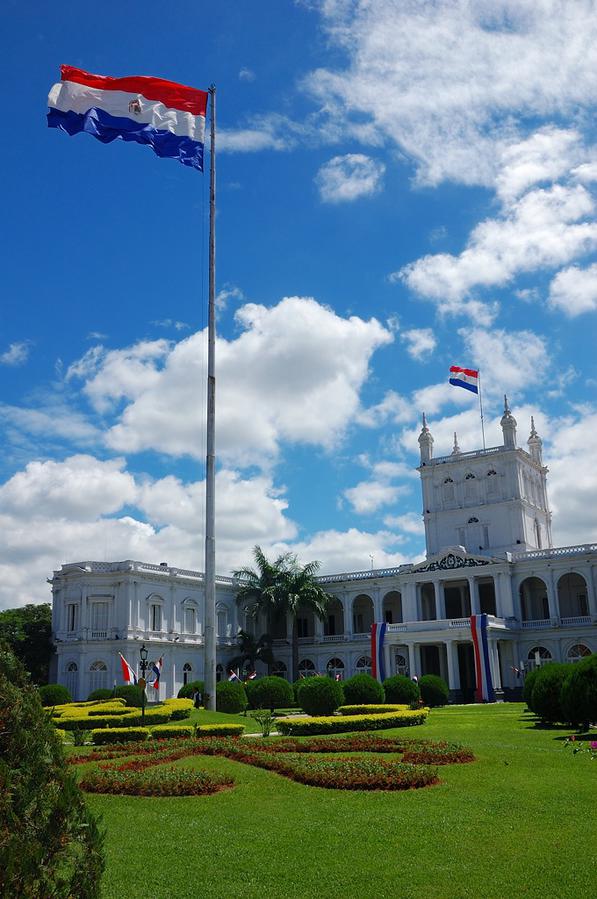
564, 692
370, 709
337, 724
103, 736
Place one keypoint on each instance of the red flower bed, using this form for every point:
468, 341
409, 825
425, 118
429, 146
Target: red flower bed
164, 782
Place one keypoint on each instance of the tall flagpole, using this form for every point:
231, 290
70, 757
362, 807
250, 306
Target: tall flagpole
481, 409
210, 467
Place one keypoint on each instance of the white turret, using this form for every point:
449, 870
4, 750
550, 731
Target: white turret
508, 424
425, 443
455, 448
535, 444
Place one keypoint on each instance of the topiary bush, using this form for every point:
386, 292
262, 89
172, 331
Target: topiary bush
401, 690
527, 689
99, 695
230, 697
579, 693
269, 693
131, 694
54, 694
50, 844
362, 689
320, 695
189, 689
434, 690
547, 690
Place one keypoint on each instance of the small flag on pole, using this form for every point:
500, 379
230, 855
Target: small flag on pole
128, 674
251, 676
168, 117
464, 377
157, 670
232, 675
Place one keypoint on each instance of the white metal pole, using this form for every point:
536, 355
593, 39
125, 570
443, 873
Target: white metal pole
481, 409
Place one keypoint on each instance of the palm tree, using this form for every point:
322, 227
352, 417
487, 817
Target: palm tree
282, 587
252, 650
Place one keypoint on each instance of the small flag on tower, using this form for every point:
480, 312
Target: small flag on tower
464, 377
167, 116
128, 674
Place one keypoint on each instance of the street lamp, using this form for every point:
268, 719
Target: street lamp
143, 653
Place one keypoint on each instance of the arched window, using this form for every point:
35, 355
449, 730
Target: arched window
572, 596
492, 482
392, 607
190, 618
335, 668
363, 665
219, 673
470, 487
155, 616
401, 664
473, 520
279, 669
72, 679
362, 614
448, 490
538, 656
577, 652
222, 619
187, 670
98, 676
533, 600
306, 668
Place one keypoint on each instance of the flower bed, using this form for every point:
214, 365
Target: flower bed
163, 782
337, 724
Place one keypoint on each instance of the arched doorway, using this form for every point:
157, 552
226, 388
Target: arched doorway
392, 608
362, 614
572, 596
533, 600
335, 668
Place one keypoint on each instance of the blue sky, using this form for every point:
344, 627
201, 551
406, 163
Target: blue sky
402, 186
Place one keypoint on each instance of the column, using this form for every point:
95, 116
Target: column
387, 652
552, 597
453, 669
494, 664
588, 576
504, 598
412, 660
377, 610
84, 626
472, 586
346, 604
440, 600
409, 602
318, 629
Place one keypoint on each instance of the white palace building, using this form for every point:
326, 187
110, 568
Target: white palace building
489, 549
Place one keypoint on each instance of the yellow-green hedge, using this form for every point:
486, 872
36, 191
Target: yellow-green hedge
296, 727
220, 730
370, 709
166, 731
119, 735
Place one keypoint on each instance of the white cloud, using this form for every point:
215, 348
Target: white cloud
392, 407
263, 132
370, 495
348, 551
410, 523
509, 361
574, 290
246, 74
54, 420
545, 156
420, 342
294, 374
544, 228
453, 84
171, 323
228, 292
16, 354
347, 178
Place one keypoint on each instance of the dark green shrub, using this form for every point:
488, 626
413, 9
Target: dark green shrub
579, 693
99, 695
189, 689
54, 694
362, 689
269, 693
401, 690
547, 690
434, 690
320, 695
50, 844
230, 697
527, 689
131, 694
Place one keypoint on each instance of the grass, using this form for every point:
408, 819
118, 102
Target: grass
518, 821
203, 716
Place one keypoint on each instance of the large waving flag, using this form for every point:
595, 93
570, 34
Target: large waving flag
464, 377
378, 668
169, 117
484, 691
128, 674
157, 670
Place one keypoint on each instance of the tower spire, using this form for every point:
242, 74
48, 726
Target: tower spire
508, 424
456, 448
535, 444
425, 442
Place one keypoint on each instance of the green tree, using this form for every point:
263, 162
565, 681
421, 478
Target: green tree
28, 633
252, 650
280, 588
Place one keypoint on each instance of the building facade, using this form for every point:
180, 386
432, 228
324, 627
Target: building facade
489, 549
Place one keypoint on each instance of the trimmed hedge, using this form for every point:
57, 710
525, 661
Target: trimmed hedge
401, 690
434, 690
527, 689
219, 730
54, 694
547, 689
371, 709
320, 695
132, 695
165, 732
269, 693
187, 691
579, 693
118, 735
362, 689
99, 694
230, 697
296, 727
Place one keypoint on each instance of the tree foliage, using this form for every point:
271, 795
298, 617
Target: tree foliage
50, 844
28, 633
252, 650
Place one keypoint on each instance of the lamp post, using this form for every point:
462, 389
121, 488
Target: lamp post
143, 653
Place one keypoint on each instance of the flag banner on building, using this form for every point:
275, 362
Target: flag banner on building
166, 116
128, 674
378, 633
484, 690
157, 670
464, 377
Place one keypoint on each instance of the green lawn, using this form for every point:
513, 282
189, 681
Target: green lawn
202, 716
520, 821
